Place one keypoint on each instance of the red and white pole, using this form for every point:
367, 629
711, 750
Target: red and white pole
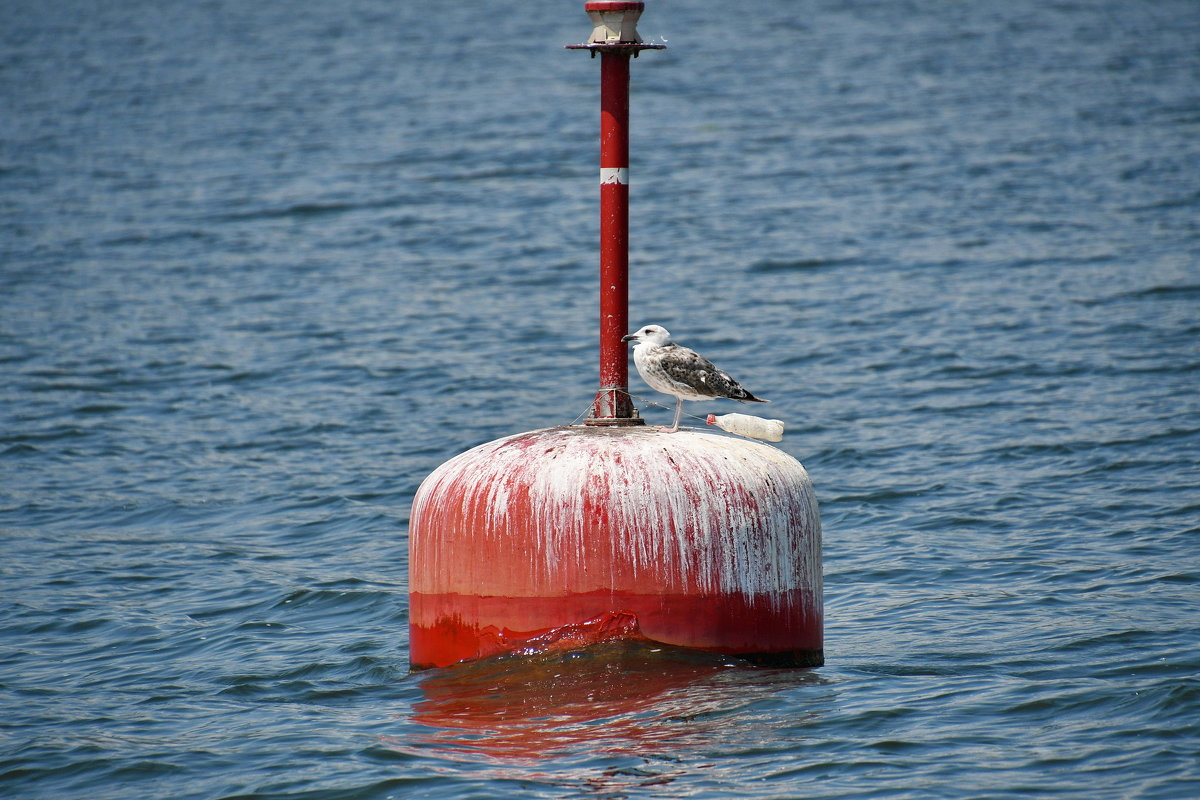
616, 39
612, 400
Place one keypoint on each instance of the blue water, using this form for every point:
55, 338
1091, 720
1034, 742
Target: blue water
264, 266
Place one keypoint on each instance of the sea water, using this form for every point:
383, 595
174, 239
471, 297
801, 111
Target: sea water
264, 266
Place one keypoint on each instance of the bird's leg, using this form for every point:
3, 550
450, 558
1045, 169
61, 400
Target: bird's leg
678, 414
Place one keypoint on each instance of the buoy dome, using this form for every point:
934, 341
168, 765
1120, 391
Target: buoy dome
708, 541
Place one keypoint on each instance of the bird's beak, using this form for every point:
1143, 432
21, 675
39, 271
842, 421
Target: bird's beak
629, 337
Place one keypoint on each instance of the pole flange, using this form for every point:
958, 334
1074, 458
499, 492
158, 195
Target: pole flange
608, 405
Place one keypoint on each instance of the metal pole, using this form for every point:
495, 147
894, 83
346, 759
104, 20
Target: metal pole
612, 400
615, 38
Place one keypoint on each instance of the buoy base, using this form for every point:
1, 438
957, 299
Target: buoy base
777, 631
707, 542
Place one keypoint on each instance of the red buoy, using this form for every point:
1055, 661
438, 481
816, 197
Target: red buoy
705, 541
556, 538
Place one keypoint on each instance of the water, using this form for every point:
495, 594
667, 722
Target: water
265, 266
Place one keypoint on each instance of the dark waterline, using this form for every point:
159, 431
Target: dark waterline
264, 266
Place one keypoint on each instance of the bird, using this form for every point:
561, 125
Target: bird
676, 370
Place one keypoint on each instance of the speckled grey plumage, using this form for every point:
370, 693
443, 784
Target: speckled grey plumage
681, 372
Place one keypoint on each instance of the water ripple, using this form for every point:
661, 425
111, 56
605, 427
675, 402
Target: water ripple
265, 266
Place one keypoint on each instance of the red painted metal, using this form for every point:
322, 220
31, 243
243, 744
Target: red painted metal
712, 543
613, 404
616, 39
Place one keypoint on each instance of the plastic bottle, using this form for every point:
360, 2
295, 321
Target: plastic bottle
770, 430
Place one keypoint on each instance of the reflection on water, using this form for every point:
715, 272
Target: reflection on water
625, 697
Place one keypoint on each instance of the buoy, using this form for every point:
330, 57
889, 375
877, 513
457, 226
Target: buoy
565, 536
770, 430
690, 538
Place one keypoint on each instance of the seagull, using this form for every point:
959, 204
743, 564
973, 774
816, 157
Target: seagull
671, 369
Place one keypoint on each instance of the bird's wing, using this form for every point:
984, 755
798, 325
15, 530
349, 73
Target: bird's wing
688, 368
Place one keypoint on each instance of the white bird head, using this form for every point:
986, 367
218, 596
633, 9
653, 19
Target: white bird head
655, 335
